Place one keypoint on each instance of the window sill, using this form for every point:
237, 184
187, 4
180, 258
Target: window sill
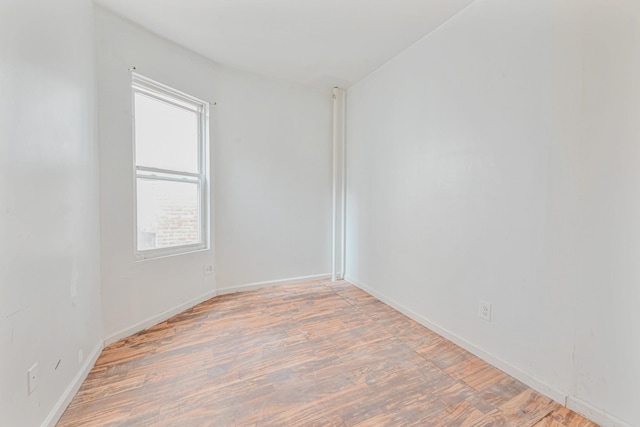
169, 252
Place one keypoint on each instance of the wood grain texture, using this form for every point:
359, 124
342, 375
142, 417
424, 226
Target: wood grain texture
313, 354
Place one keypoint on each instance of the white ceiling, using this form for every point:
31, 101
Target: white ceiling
320, 43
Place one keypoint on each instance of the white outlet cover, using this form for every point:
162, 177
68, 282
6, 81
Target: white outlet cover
208, 269
33, 377
484, 310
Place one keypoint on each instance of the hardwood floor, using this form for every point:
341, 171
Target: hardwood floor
315, 354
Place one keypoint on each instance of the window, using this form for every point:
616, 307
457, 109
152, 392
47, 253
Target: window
171, 192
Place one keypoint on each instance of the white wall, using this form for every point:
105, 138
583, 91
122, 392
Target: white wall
608, 298
271, 148
461, 184
498, 159
49, 208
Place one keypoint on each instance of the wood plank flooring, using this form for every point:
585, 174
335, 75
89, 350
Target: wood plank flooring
314, 354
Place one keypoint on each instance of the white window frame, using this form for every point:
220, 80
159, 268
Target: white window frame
158, 91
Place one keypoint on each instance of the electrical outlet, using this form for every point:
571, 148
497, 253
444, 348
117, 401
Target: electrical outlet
33, 377
484, 310
80, 356
208, 269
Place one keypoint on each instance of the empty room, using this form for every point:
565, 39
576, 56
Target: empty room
319, 213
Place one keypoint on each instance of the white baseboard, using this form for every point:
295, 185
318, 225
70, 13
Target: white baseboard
154, 320
504, 366
68, 395
259, 285
72, 389
161, 317
594, 414
578, 405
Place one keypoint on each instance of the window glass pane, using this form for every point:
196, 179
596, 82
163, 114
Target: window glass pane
167, 214
166, 136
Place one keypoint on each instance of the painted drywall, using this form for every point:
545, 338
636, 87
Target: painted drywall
460, 181
49, 207
271, 171
497, 159
608, 324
